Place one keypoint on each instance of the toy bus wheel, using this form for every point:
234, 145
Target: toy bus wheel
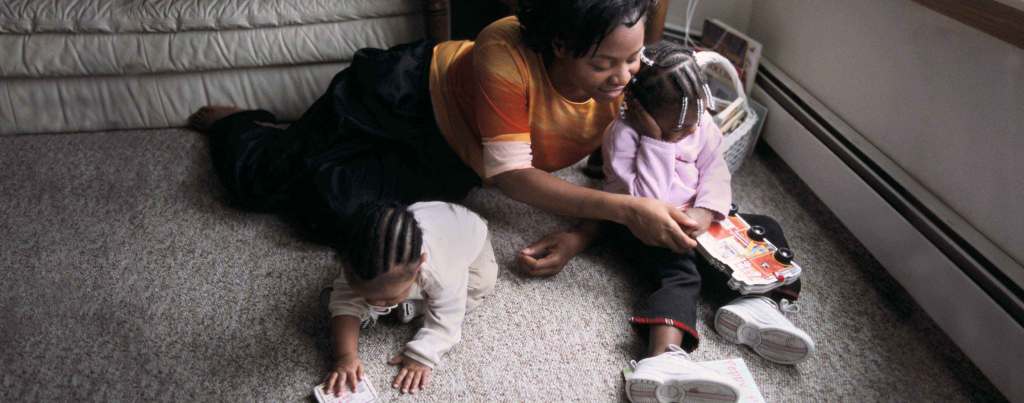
756, 233
784, 255
733, 209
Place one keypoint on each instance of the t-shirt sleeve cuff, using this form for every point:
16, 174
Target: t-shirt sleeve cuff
411, 353
504, 156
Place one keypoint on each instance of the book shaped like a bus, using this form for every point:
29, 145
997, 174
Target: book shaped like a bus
754, 265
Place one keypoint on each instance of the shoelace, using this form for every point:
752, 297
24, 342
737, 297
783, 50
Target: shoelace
787, 306
672, 350
374, 313
676, 350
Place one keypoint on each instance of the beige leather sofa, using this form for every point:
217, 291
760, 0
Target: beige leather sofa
94, 65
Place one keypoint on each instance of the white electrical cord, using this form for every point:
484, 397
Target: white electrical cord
691, 9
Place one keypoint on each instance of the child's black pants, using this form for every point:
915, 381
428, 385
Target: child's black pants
679, 279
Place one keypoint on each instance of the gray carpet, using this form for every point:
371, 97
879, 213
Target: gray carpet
124, 277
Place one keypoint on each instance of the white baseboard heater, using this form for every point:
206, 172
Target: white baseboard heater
968, 286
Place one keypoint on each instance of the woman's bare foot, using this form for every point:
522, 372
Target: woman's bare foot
206, 116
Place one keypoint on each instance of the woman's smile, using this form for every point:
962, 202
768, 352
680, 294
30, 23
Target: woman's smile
613, 91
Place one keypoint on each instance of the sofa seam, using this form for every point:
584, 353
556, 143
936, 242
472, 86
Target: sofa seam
176, 72
200, 30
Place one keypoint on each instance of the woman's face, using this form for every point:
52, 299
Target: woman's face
604, 73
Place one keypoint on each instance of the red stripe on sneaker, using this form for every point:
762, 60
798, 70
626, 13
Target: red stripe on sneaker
638, 320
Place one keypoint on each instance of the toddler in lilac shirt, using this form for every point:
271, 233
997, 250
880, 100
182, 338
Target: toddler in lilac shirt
688, 172
666, 146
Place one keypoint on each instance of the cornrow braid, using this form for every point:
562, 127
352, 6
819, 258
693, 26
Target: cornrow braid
674, 75
384, 234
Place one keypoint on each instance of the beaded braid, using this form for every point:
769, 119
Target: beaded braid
671, 78
384, 234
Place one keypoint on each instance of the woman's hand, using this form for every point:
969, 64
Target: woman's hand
657, 223
549, 255
413, 376
348, 371
642, 121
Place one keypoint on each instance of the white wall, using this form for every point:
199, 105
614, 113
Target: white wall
940, 98
943, 101
1018, 4
735, 13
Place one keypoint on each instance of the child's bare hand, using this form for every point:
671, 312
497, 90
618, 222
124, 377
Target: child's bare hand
703, 217
348, 371
413, 376
644, 122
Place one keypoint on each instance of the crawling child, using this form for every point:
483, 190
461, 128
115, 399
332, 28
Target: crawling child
431, 258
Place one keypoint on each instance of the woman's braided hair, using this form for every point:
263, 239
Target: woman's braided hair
674, 75
384, 234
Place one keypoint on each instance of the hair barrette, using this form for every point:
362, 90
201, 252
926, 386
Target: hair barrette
700, 111
682, 113
643, 57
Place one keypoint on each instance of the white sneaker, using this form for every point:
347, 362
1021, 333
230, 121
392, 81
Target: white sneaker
672, 377
410, 309
759, 323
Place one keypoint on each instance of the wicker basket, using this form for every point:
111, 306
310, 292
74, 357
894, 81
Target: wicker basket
739, 142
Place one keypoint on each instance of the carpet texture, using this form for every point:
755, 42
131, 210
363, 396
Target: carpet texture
125, 277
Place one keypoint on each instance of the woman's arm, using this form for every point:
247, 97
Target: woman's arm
550, 254
547, 192
652, 221
627, 172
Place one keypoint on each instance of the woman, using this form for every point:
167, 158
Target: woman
416, 122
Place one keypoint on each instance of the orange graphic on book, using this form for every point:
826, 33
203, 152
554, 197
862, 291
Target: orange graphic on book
767, 265
758, 255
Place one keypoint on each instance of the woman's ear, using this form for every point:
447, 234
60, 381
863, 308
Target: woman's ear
559, 50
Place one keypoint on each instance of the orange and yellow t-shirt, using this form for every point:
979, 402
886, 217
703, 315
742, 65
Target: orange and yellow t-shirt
499, 111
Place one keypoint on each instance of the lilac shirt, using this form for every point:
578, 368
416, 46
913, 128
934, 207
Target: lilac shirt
688, 173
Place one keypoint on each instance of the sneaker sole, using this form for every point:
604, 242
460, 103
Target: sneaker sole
651, 391
776, 345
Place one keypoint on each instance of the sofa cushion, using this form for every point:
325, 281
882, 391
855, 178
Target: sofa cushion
108, 64
123, 16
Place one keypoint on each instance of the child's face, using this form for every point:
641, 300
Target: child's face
667, 118
392, 288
